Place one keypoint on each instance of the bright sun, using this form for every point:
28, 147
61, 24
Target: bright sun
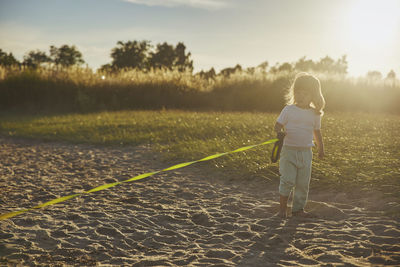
373, 23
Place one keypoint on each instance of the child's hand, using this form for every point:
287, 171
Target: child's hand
281, 135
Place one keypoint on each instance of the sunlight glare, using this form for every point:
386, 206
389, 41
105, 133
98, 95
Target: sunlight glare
373, 23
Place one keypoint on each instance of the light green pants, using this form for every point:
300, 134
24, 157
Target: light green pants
295, 170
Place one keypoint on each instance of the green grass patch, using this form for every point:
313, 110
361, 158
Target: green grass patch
363, 150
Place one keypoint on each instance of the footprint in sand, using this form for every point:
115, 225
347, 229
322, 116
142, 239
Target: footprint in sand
326, 211
190, 218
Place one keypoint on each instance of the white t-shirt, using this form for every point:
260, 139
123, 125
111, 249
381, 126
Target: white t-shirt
299, 125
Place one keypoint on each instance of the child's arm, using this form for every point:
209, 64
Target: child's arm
320, 143
278, 127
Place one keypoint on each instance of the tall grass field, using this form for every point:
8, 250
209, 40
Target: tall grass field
363, 150
82, 90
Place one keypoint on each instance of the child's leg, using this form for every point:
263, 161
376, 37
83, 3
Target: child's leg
302, 182
288, 171
283, 206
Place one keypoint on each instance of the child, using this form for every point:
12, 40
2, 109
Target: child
300, 119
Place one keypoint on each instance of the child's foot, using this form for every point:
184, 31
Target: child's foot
302, 214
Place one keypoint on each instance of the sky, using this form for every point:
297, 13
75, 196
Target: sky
217, 33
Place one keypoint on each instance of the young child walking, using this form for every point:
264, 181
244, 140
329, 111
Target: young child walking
299, 120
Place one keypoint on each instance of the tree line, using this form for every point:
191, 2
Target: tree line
142, 55
64, 55
126, 55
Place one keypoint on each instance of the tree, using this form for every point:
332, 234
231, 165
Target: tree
326, 64
286, 67
374, 75
229, 71
281, 67
35, 58
304, 65
263, 66
274, 69
182, 61
132, 54
329, 65
390, 79
391, 75
168, 56
341, 65
106, 68
163, 57
7, 59
207, 75
66, 56
141, 55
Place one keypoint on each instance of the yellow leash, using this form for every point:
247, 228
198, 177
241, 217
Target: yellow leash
138, 177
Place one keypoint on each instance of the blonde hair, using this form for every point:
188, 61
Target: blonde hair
305, 82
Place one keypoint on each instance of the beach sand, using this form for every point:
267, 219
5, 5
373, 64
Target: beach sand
189, 217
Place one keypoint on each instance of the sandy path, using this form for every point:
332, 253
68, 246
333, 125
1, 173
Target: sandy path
171, 219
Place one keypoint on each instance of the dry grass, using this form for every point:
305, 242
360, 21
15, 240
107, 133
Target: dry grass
82, 90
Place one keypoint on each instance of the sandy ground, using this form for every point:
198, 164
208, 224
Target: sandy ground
189, 217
